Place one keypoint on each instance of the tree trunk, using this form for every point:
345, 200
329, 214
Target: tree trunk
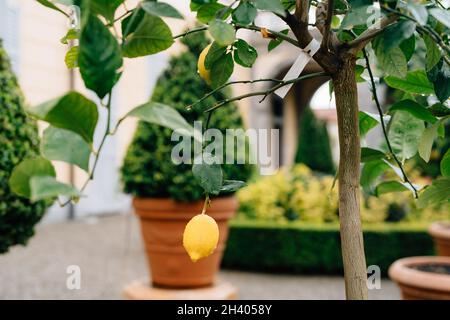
349, 195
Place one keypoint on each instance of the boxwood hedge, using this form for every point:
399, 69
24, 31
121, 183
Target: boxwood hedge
315, 248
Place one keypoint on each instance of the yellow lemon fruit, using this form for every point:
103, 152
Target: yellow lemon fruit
204, 73
200, 236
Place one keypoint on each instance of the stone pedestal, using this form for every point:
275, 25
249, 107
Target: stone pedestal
143, 290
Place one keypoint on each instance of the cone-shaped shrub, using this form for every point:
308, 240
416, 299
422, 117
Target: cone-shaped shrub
18, 139
314, 144
148, 170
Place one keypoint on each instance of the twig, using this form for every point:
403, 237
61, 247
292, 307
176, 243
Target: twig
265, 92
190, 31
275, 33
209, 94
206, 204
383, 125
119, 18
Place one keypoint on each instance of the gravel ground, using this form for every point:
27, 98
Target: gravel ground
110, 254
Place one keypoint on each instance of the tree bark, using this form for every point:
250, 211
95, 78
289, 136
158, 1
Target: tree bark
349, 167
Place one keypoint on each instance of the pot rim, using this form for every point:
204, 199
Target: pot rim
401, 272
222, 208
440, 229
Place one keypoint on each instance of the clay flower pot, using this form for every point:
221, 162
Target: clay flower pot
440, 231
162, 225
422, 278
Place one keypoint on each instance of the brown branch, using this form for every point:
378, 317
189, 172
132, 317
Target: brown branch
299, 23
327, 27
361, 41
302, 11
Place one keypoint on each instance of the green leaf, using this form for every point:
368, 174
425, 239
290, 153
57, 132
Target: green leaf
439, 75
19, 181
358, 14
433, 53
393, 36
439, 110
366, 123
408, 47
208, 11
441, 15
222, 32
273, 43
106, 8
222, 69
71, 58
369, 154
99, 57
415, 109
370, 173
208, 172
359, 69
437, 192
130, 23
392, 62
419, 12
161, 9
426, 142
72, 112
51, 5
72, 34
445, 164
163, 115
245, 13
232, 185
64, 145
391, 186
151, 36
215, 52
416, 82
196, 4
271, 5
405, 132
47, 187
245, 54
65, 2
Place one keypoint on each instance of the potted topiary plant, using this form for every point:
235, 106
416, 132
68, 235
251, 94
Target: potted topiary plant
166, 195
19, 140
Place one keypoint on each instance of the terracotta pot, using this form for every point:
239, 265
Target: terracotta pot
421, 285
162, 225
440, 231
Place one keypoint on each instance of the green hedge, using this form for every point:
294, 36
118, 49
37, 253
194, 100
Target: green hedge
315, 249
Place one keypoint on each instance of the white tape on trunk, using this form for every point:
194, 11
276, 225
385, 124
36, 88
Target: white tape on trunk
300, 63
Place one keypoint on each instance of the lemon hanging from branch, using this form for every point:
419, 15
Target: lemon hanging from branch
201, 235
